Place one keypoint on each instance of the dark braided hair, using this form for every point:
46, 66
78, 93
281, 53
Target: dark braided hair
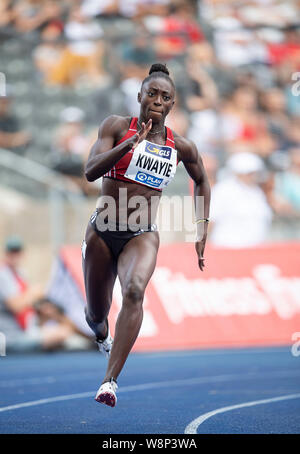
159, 70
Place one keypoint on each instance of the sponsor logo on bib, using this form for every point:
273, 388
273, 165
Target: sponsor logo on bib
152, 165
158, 150
150, 180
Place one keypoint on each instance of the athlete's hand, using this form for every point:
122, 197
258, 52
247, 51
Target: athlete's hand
200, 246
142, 133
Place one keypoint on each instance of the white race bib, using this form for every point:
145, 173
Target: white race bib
152, 165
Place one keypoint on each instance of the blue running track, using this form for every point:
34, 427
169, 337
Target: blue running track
237, 391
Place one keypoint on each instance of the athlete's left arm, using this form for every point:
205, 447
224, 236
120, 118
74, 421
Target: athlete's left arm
192, 161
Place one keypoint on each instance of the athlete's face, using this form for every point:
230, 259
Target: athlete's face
156, 99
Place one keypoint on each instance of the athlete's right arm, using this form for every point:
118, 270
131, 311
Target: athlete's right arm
103, 155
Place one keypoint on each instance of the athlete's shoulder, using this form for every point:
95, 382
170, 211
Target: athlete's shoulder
114, 123
185, 147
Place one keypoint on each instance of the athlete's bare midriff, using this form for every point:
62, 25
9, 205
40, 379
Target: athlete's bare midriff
125, 199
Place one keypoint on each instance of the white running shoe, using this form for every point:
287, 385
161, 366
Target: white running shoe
106, 394
105, 345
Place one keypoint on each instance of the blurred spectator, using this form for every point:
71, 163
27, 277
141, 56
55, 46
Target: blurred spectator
71, 146
48, 54
287, 184
252, 13
132, 76
31, 15
138, 50
6, 13
70, 137
136, 57
81, 31
240, 214
286, 51
274, 105
17, 297
82, 58
271, 12
51, 319
130, 86
12, 136
201, 100
181, 27
203, 91
94, 8
293, 131
24, 328
147, 8
205, 130
266, 144
235, 45
240, 120
134, 9
202, 55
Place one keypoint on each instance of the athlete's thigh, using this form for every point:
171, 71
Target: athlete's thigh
137, 260
100, 271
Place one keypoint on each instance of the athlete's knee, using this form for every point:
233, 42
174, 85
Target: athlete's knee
134, 291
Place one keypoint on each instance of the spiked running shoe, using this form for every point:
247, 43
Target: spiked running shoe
106, 394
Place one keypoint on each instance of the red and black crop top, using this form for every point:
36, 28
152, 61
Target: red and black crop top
148, 164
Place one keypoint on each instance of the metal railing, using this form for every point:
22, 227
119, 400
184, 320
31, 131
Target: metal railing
59, 189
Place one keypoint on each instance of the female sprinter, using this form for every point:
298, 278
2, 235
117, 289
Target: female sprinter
136, 157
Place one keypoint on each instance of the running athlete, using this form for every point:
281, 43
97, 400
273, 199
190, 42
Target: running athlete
137, 158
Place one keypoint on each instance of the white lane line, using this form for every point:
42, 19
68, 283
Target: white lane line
141, 387
145, 386
91, 375
46, 401
50, 379
193, 426
233, 351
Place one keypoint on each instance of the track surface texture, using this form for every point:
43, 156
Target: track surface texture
228, 391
